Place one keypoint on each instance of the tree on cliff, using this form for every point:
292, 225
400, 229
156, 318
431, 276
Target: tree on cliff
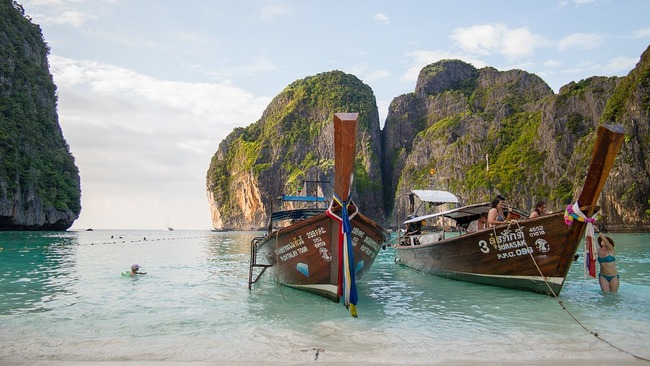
291, 143
39, 181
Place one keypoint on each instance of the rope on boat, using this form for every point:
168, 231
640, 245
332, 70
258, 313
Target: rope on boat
572, 213
347, 286
561, 303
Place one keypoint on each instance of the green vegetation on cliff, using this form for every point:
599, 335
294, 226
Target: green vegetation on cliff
34, 157
290, 144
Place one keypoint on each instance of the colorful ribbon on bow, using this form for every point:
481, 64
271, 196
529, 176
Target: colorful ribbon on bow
572, 213
347, 286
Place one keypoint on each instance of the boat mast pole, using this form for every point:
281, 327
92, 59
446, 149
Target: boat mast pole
345, 136
608, 142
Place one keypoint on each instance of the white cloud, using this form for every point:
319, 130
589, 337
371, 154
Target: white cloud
271, 12
583, 41
621, 64
575, 2
376, 75
75, 13
381, 18
583, 68
259, 65
491, 39
552, 63
641, 33
136, 138
423, 58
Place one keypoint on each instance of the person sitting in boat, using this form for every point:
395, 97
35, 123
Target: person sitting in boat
540, 209
496, 215
415, 228
608, 276
478, 224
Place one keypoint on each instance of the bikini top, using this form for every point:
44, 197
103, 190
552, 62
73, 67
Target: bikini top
609, 258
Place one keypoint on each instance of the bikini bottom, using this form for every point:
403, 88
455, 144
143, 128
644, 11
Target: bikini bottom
608, 278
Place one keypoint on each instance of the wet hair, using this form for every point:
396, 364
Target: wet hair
600, 240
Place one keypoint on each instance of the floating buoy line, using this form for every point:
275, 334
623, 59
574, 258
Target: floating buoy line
113, 241
121, 240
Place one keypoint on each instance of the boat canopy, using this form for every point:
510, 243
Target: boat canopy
465, 214
302, 198
297, 214
435, 197
459, 214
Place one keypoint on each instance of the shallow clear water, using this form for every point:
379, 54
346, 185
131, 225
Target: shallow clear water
62, 298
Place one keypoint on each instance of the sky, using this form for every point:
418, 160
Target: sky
147, 89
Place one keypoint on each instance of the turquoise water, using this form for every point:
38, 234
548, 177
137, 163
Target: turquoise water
62, 299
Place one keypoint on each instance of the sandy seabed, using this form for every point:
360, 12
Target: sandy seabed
547, 362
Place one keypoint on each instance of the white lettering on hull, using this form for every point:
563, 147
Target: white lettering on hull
511, 244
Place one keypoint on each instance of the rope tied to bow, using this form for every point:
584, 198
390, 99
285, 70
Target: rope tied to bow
347, 286
573, 213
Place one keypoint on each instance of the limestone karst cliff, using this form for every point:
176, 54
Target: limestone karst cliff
292, 143
538, 143
441, 136
39, 181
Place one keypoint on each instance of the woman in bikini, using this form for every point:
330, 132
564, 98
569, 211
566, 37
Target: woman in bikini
608, 276
495, 215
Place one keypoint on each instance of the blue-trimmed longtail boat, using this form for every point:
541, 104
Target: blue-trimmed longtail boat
318, 247
524, 254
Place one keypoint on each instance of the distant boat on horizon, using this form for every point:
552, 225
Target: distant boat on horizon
167, 227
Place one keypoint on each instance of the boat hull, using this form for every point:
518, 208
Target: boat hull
306, 254
533, 255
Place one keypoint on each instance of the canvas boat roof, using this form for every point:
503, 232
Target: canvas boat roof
465, 214
435, 196
302, 198
297, 214
458, 214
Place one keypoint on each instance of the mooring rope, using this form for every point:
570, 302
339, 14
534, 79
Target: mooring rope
595, 334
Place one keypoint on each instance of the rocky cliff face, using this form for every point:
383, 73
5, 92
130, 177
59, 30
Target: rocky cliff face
291, 145
39, 182
442, 135
537, 143
626, 201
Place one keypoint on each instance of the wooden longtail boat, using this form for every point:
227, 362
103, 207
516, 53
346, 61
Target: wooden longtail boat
525, 254
322, 250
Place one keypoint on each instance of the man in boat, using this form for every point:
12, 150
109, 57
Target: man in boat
415, 228
478, 224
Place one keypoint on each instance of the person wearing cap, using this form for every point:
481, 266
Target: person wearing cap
135, 270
